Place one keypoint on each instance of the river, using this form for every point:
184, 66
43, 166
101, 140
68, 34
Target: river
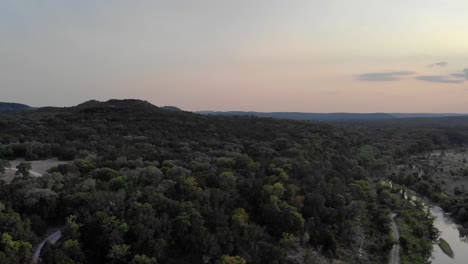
449, 232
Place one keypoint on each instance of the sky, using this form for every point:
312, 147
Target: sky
259, 55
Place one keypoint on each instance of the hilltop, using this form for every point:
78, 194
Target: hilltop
14, 107
118, 104
171, 108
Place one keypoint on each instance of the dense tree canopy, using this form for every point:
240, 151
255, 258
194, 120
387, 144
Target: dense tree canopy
145, 185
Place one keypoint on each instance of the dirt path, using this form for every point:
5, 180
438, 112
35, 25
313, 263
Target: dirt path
395, 253
33, 173
52, 238
10, 174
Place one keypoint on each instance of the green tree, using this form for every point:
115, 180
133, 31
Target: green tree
73, 249
23, 168
3, 165
225, 162
71, 229
52, 254
232, 260
14, 251
143, 259
227, 180
240, 217
119, 253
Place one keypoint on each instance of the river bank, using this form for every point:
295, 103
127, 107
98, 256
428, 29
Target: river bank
446, 226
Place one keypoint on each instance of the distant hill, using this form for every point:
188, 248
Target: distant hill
328, 116
304, 116
14, 107
424, 115
115, 104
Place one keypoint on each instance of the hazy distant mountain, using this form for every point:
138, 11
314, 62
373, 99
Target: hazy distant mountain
326, 116
14, 107
303, 116
418, 115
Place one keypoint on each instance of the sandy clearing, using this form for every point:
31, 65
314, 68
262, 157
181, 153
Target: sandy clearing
39, 167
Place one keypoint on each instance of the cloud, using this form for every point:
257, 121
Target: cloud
438, 79
458, 75
463, 75
439, 64
383, 76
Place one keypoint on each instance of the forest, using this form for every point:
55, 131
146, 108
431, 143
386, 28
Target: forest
146, 185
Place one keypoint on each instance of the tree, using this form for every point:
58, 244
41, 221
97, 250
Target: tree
119, 253
227, 180
14, 251
143, 259
240, 217
462, 214
150, 175
71, 229
23, 168
35, 195
52, 254
73, 249
225, 162
12, 224
3, 165
289, 241
232, 260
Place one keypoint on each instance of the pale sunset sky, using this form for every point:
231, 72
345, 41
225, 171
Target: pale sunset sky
259, 55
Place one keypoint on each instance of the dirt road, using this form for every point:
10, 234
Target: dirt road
33, 173
52, 238
395, 253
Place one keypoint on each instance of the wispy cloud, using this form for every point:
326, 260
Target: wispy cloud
383, 76
453, 78
439, 64
463, 75
457, 75
439, 79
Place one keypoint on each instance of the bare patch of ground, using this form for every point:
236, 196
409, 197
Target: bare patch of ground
8, 176
39, 167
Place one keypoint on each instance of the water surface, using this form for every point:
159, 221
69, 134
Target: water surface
449, 232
